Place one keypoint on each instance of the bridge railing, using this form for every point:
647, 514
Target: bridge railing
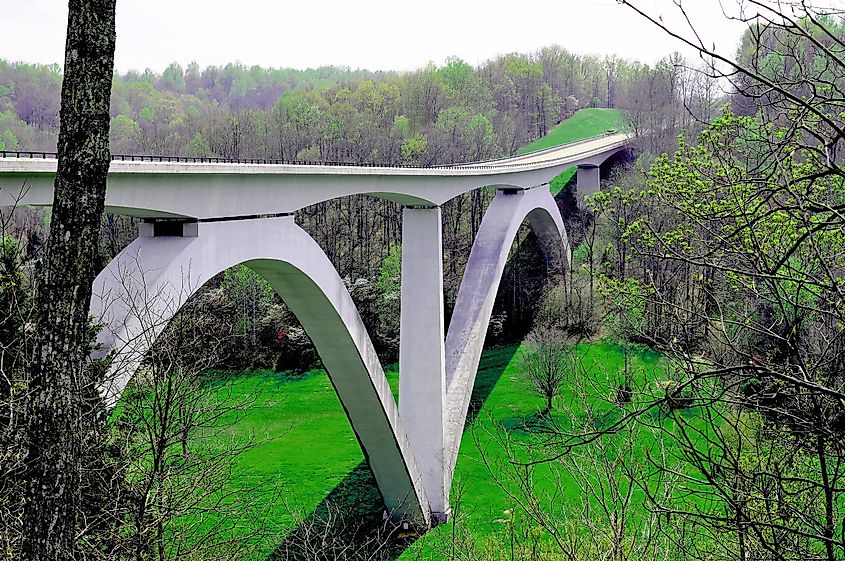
26, 154
482, 164
533, 153
30, 154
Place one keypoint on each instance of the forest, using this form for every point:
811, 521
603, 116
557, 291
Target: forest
677, 393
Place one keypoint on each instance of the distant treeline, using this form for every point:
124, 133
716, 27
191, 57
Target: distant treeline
436, 114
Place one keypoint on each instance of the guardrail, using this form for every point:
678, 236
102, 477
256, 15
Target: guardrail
541, 151
483, 164
29, 154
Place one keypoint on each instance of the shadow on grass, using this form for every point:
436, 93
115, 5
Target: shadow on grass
348, 524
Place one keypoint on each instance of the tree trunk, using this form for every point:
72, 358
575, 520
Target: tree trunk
57, 373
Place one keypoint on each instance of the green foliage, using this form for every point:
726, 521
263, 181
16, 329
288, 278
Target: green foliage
147, 114
390, 277
414, 149
197, 147
9, 140
310, 154
628, 298
125, 134
464, 113
774, 244
173, 77
455, 74
403, 126
389, 300
248, 291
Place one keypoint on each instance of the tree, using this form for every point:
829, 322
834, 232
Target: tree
124, 135
177, 457
15, 310
389, 286
753, 239
58, 378
197, 148
739, 240
546, 363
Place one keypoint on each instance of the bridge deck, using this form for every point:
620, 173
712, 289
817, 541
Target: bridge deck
208, 190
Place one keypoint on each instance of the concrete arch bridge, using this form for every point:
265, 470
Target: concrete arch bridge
202, 217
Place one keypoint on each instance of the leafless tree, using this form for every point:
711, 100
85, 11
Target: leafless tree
172, 439
547, 362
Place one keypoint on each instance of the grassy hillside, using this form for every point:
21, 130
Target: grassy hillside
310, 457
583, 124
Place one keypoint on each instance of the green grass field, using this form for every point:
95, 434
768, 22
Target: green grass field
585, 123
309, 451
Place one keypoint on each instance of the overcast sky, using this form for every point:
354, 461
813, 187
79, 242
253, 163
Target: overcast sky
373, 34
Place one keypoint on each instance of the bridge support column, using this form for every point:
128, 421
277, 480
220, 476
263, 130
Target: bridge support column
422, 374
589, 181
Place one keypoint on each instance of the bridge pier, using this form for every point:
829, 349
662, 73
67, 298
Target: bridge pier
589, 180
422, 357
477, 293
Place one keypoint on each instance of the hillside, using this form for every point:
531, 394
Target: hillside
585, 123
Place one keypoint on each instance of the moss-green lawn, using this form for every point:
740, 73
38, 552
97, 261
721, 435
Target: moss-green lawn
310, 451
584, 123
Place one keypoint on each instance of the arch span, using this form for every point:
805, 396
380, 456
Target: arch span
141, 290
477, 293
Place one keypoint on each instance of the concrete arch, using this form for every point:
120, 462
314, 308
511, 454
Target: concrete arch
480, 283
139, 292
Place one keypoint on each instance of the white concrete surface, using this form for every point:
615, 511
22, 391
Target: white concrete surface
480, 283
588, 179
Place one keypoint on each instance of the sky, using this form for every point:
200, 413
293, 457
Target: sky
372, 34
